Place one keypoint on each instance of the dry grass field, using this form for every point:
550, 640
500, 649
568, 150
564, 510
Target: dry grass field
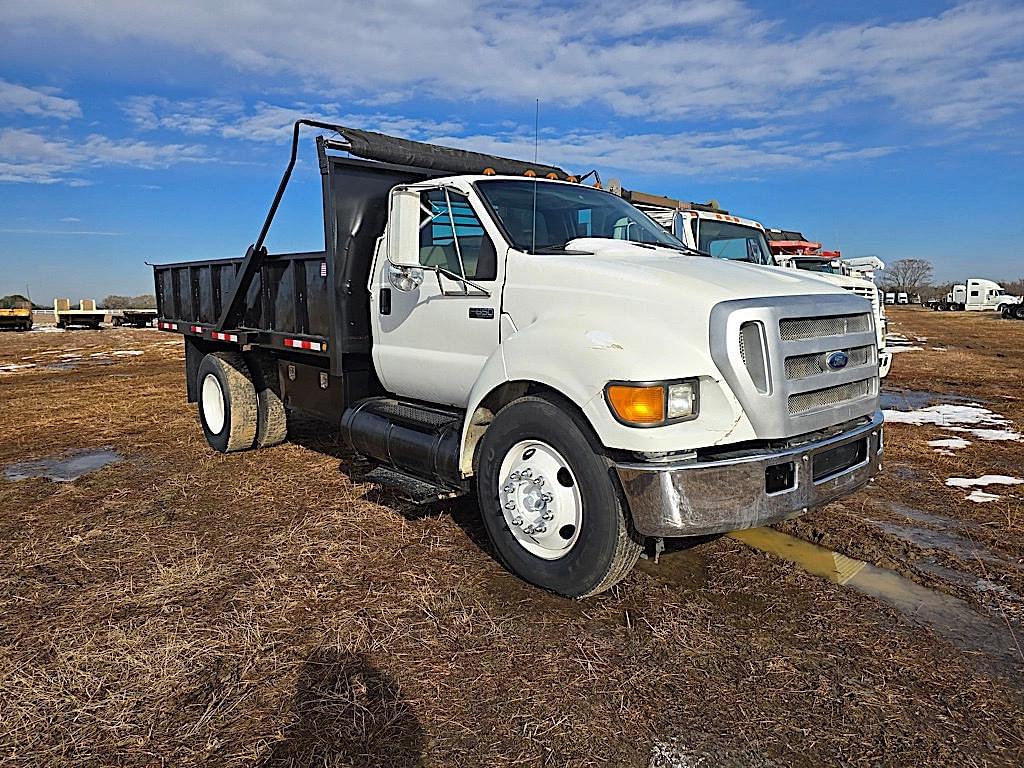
180, 607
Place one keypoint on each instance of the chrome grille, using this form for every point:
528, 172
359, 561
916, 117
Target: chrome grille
794, 329
804, 366
777, 374
830, 396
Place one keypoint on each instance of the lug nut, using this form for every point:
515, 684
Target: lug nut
526, 473
528, 530
510, 505
538, 481
541, 529
508, 488
548, 516
517, 521
546, 497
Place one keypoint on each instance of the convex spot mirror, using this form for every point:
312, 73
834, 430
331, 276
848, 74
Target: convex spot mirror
404, 216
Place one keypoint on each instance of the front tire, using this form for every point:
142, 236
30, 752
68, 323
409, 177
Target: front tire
227, 402
549, 501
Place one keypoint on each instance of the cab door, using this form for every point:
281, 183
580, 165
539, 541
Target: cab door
435, 327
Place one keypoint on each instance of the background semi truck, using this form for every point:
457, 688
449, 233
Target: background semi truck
479, 324
707, 228
978, 294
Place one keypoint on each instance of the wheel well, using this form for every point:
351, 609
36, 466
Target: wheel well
493, 402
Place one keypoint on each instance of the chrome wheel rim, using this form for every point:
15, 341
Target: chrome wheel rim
540, 499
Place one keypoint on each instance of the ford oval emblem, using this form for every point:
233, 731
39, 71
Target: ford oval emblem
837, 360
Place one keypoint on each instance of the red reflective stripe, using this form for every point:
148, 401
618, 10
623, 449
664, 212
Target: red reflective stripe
316, 346
224, 336
168, 326
197, 329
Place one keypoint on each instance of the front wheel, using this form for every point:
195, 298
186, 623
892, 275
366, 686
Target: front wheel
549, 501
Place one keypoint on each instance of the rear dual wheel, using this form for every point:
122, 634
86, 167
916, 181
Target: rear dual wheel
549, 502
239, 407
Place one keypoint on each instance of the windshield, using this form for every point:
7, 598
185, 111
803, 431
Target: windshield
818, 265
737, 242
542, 217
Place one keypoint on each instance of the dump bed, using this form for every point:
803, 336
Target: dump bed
286, 299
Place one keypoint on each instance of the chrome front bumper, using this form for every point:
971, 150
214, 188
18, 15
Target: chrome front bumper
694, 498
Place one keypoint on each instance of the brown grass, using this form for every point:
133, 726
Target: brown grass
187, 608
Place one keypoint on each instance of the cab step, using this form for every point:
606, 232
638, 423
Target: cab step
419, 492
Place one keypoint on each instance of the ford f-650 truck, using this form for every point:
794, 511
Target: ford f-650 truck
489, 325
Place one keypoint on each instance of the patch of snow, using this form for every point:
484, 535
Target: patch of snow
12, 367
951, 443
980, 497
127, 352
970, 418
966, 482
47, 329
896, 349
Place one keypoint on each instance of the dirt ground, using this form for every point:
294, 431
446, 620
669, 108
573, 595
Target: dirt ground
181, 607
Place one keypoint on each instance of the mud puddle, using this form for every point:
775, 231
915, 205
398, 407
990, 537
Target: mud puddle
914, 399
949, 616
65, 469
926, 538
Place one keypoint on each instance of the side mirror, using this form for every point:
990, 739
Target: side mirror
404, 228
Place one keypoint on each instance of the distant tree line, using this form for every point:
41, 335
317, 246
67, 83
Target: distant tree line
914, 277
145, 301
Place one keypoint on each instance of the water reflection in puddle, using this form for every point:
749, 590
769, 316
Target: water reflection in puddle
65, 469
914, 399
951, 617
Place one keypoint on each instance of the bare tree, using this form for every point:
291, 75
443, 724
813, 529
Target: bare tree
907, 275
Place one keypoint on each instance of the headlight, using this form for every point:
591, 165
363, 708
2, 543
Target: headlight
653, 404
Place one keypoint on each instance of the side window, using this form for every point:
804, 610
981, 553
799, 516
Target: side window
449, 232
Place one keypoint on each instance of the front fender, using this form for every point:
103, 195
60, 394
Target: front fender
577, 357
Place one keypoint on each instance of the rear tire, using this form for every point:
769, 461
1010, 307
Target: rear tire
598, 546
227, 402
272, 416
1018, 311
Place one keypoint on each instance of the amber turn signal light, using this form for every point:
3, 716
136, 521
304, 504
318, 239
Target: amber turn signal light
637, 405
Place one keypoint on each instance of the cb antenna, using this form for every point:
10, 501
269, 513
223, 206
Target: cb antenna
536, 142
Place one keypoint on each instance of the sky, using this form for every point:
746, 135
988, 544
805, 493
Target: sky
134, 132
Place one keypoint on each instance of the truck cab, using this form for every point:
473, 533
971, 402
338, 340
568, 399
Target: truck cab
513, 333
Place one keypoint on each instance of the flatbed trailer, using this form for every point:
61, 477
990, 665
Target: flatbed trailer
134, 318
86, 316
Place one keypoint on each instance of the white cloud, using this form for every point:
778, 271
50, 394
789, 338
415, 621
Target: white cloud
70, 220
265, 122
36, 102
665, 59
30, 157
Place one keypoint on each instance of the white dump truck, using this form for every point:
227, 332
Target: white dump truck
977, 295
709, 229
480, 324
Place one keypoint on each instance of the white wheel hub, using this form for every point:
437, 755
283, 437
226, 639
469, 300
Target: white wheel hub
540, 499
214, 407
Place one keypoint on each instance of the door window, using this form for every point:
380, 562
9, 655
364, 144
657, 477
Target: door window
453, 238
